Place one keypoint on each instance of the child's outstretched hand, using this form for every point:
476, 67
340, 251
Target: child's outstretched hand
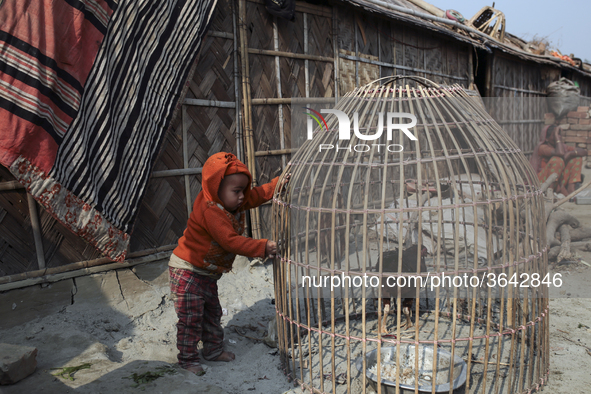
271, 249
284, 183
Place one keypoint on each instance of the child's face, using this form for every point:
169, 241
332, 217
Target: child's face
231, 191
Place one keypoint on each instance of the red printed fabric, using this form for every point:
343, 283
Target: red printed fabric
88, 89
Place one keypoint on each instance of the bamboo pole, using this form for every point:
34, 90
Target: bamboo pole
246, 95
185, 121
565, 199
81, 268
209, 103
220, 34
275, 152
293, 100
279, 94
36, 231
361, 59
428, 7
83, 272
177, 172
306, 62
290, 55
239, 142
11, 185
335, 44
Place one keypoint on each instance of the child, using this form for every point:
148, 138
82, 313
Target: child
207, 249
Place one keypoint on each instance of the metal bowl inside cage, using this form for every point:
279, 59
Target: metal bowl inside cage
407, 354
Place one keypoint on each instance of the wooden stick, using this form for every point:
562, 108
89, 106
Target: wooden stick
575, 342
548, 182
584, 245
482, 362
565, 199
555, 220
36, 231
580, 233
565, 240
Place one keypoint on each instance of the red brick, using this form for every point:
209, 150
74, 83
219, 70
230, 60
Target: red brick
565, 126
549, 115
583, 109
583, 127
573, 120
584, 146
584, 121
578, 115
575, 139
576, 133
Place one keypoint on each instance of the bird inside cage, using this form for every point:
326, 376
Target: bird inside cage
408, 292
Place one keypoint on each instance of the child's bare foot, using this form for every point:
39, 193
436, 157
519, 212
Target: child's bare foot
226, 356
196, 369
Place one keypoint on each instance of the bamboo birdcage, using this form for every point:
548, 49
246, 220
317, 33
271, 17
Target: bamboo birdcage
467, 195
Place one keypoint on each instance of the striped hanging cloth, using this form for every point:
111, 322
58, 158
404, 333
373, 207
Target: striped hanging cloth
88, 89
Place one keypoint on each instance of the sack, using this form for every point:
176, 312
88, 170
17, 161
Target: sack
563, 97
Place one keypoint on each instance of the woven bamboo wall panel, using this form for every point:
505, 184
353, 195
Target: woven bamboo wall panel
266, 131
17, 246
260, 26
521, 84
263, 76
320, 35
163, 215
434, 59
418, 52
367, 35
17, 250
346, 29
321, 79
387, 41
290, 35
348, 73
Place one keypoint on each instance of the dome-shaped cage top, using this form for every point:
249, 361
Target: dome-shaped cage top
425, 170
478, 204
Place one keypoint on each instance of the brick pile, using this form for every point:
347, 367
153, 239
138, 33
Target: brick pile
576, 128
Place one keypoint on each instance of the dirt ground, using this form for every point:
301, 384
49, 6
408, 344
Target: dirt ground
123, 323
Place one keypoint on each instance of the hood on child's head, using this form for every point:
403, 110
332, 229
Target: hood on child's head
216, 168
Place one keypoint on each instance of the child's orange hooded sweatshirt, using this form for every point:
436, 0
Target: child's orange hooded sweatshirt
213, 236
